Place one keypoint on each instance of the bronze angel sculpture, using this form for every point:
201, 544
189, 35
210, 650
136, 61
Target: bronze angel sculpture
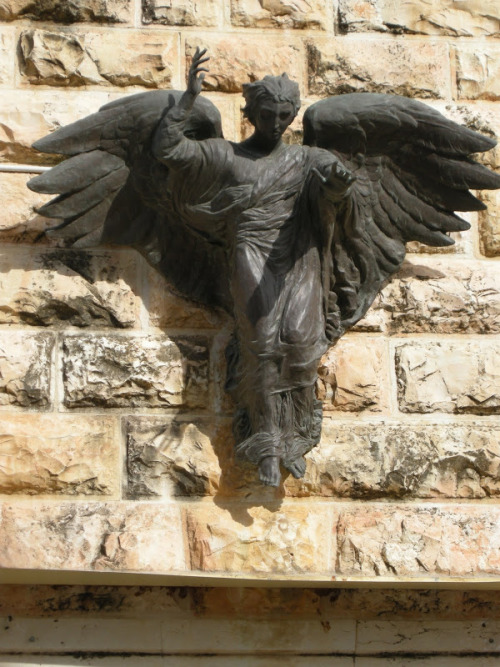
293, 241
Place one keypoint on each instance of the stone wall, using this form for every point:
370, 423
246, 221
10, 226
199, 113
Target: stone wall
115, 444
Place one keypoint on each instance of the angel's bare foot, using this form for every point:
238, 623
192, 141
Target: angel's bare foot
298, 467
269, 471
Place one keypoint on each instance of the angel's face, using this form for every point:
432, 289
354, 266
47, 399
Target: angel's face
272, 119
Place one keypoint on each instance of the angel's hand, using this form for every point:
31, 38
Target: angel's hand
336, 180
196, 72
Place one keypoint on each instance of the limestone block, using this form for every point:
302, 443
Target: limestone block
349, 65
230, 68
24, 118
18, 218
90, 536
7, 49
118, 371
25, 369
428, 17
69, 287
280, 14
252, 539
489, 224
442, 297
99, 11
478, 71
381, 460
190, 633
171, 458
353, 376
127, 58
449, 377
426, 540
185, 12
59, 454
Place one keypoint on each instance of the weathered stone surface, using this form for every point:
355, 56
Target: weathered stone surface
442, 297
18, 217
449, 377
280, 14
100, 11
489, 224
59, 454
125, 58
25, 369
68, 287
381, 460
426, 540
24, 118
347, 65
119, 371
230, 68
428, 17
183, 12
7, 49
353, 376
478, 71
171, 458
90, 536
245, 538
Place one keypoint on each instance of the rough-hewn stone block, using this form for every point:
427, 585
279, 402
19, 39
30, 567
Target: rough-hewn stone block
418, 541
25, 117
25, 369
100, 11
478, 71
245, 538
124, 58
183, 12
489, 224
402, 460
171, 458
90, 536
442, 296
353, 376
7, 50
68, 287
345, 65
449, 377
59, 454
280, 14
19, 220
434, 17
230, 68
119, 371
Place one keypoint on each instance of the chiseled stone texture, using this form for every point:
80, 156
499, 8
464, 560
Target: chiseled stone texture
99, 11
429, 17
230, 68
449, 377
279, 13
478, 71
118, 58
25, 369
68, 287
251, 539
411, 460
171, 458
18, 215
442, 296
352, 65
182, 12
7, 49
143, 371
25, 117
353, 376
404, 541
489, 224
90, 536
59, 454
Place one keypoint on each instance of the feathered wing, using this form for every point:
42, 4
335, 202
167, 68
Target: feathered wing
112, 190
413, 170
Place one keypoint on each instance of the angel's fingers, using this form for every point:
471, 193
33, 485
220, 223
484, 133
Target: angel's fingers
201, 69
319, 175
202, 60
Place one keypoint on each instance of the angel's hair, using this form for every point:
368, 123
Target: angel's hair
276, 88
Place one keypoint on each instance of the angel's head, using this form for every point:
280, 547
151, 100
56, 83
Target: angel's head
271, 104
